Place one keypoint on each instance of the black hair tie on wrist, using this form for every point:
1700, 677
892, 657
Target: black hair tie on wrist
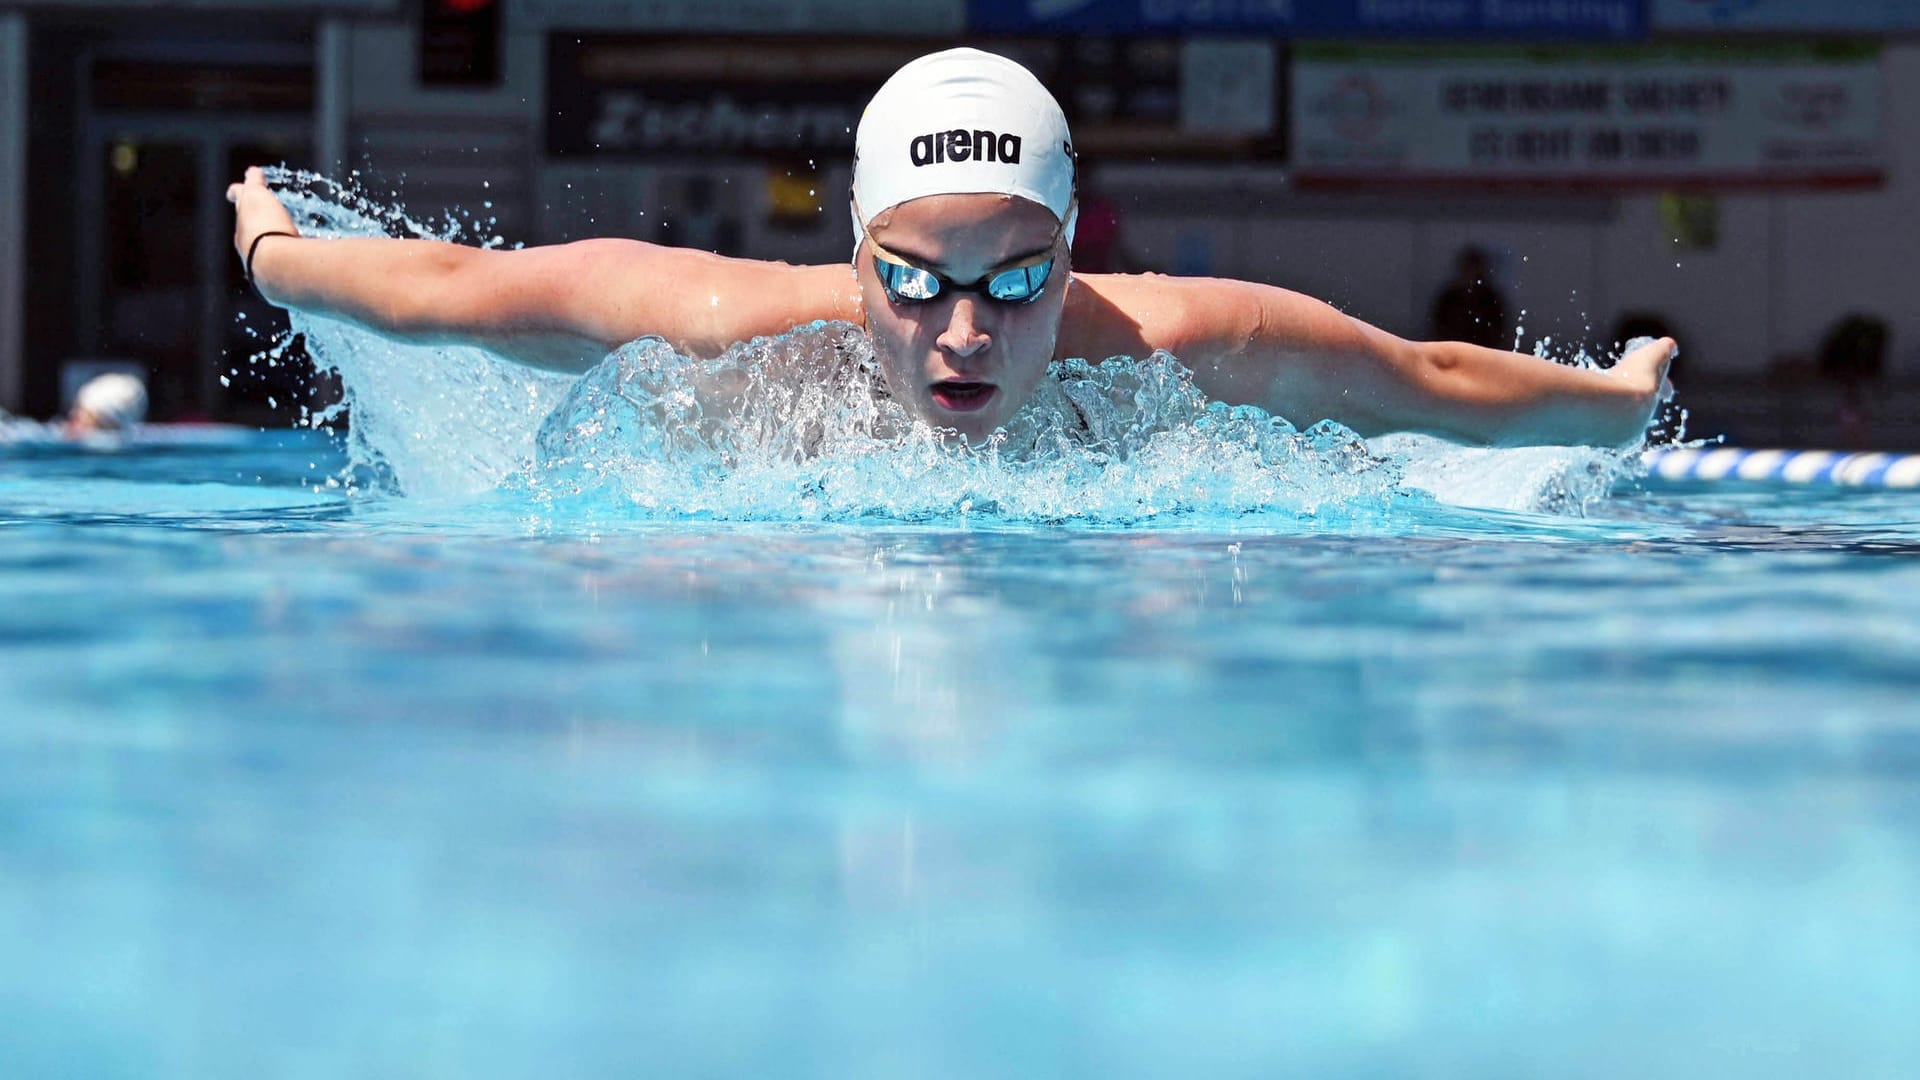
255, 246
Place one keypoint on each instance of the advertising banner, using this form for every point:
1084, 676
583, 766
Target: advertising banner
678, 99
1835, 16
923, 17
1542, 20
1778, 115
710, 99
284, 7
1164, 98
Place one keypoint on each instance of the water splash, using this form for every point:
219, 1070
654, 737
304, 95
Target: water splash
799, 427
439, 421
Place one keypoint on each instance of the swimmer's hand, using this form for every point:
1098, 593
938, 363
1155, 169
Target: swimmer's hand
256, 211
1644, 368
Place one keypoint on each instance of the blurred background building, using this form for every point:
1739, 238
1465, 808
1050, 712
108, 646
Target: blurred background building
1745, 173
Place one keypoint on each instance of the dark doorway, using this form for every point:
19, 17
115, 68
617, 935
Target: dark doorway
151, 124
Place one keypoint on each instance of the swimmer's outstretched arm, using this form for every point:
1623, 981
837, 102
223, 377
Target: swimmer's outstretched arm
561, 307
1307, 361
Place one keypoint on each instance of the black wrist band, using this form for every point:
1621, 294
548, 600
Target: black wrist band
255, 246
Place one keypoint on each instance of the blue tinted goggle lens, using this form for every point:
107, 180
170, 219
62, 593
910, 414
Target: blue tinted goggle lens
912, 285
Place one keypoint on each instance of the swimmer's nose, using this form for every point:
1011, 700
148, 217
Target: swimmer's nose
963, 337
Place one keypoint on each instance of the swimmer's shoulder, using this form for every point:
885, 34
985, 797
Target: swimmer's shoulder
713, 301
827, 291
831, 291
1135, 314
764, 297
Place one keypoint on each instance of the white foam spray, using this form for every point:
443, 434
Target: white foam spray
800, 427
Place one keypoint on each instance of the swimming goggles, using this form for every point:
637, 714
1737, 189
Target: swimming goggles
1021, 283
904, 284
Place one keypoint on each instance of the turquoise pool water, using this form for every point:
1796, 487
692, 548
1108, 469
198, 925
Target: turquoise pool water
686, 721
296, 783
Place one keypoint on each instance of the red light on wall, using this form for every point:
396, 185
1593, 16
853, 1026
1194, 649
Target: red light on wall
460, 43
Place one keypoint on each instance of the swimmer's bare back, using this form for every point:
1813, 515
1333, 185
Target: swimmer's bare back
564, 307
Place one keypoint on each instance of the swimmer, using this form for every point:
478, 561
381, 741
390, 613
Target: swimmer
963, 212
113, 402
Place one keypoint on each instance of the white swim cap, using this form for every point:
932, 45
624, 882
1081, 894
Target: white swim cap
114, 400
962, 122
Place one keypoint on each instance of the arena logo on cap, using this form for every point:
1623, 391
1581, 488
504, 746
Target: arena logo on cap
960, 144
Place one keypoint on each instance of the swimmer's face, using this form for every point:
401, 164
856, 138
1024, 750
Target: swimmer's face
82, 422
961, 360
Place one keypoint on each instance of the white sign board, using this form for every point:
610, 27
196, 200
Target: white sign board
1785, 115
1842, 16
1227, 86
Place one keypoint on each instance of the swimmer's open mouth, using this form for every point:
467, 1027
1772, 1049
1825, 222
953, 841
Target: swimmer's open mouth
954, 395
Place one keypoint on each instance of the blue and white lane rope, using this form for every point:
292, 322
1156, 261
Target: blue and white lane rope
1786, 466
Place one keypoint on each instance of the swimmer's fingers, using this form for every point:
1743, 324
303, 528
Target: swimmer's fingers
1644, 370
256, 210
254, 176
1646, 367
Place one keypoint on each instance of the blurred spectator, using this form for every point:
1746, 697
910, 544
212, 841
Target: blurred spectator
1470, 309
112, 402
1854, 350
1852, 355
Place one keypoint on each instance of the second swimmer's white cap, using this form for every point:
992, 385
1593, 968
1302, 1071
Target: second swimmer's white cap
115, 400
961, 122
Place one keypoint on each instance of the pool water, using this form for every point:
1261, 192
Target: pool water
711, 719
299, 782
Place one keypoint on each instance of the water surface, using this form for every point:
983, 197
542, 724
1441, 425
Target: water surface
295, 782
